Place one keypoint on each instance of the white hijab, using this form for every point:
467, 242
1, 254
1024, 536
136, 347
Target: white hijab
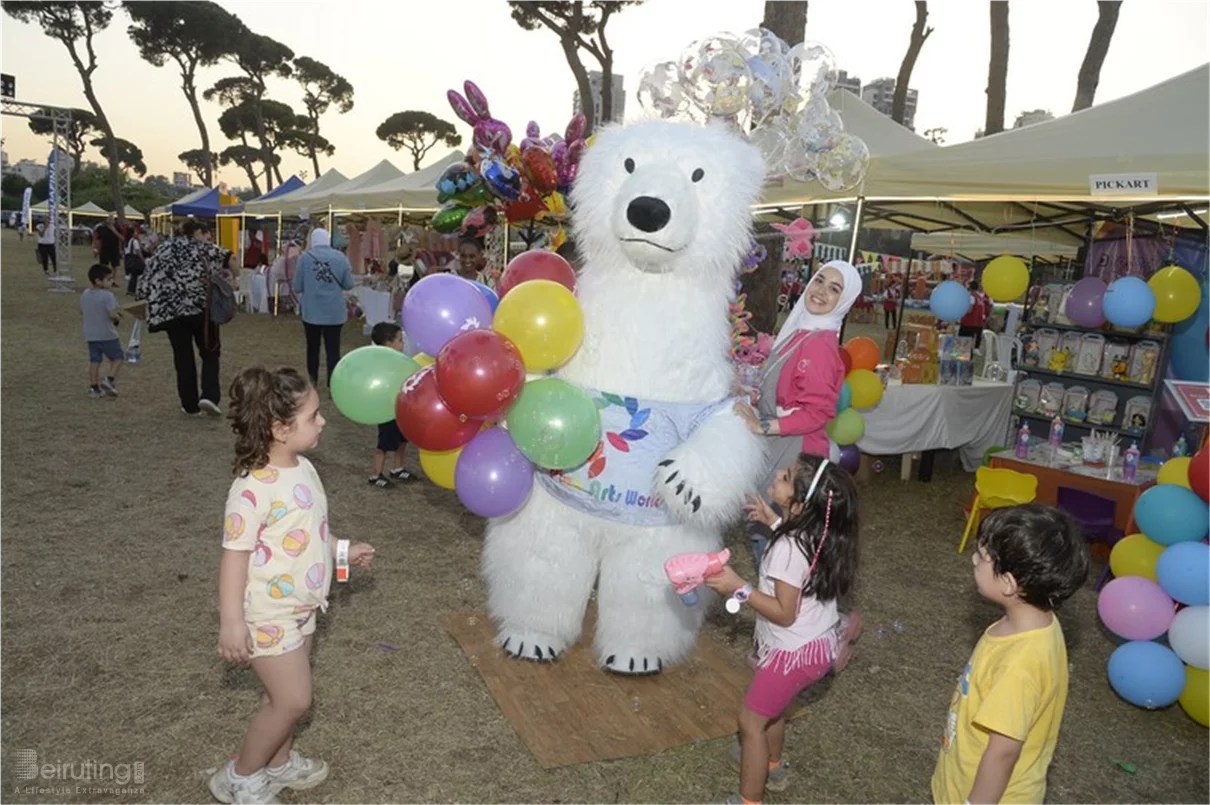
320, 237
802, 319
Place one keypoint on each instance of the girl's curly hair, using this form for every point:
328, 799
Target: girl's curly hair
260, 397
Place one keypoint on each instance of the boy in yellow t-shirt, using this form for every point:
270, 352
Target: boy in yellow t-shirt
1004, 718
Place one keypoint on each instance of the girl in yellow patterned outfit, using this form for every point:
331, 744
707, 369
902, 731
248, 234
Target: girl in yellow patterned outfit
278, 560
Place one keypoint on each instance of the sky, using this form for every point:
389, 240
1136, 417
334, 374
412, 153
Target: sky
405, 55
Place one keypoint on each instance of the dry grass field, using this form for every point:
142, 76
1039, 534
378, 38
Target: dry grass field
111, 521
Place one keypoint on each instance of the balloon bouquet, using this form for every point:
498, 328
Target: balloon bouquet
483, 413
499, 178
775, 94
1162, 585
862, 389
1170, 296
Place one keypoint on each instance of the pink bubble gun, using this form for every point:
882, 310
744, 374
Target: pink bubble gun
688, 571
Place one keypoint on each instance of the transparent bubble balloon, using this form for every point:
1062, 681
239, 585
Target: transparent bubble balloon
817, 134
771, 86
716, 76
660, 91
799, 162
843, 167
773, 142
814, 67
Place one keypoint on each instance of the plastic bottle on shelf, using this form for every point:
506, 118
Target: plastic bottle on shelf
1056, 432
1181, 447
1021, 450
1130, 462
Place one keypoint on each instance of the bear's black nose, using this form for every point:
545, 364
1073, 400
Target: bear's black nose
648, 214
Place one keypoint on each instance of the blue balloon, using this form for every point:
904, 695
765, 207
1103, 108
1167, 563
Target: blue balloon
1184, 572
846, 397
1129, 302
950, 301
1169, 514
1146, 674
1187, 349
492, 298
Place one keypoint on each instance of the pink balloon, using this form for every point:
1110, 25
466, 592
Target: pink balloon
477, 99
461, 108
1135, 608
1084, 305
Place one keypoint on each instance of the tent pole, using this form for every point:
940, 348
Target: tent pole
852, 248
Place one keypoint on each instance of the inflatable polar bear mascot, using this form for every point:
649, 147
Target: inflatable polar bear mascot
661, 219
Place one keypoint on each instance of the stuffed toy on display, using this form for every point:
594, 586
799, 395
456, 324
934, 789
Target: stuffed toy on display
661, 218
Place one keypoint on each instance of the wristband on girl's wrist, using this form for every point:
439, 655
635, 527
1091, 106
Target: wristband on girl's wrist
738, 598
342, 560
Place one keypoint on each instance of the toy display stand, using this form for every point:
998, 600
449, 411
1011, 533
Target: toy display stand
1125, 389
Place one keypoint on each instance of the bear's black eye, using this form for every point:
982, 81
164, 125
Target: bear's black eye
628, 165
698, 174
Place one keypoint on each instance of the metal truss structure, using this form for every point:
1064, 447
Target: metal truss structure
59, 177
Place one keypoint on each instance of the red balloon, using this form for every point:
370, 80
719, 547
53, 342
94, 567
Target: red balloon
479, 374
527, 206
847, 360
537, 265
424, 418
540, 169
1199, 473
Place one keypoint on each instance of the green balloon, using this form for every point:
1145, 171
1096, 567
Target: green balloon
449, 218
366, 383
554, 424
847, 428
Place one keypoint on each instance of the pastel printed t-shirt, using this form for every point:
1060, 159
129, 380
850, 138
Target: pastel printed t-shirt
280, 516
811, 639
618, 481
1016, 686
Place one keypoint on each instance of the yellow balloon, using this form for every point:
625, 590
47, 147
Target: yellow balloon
1195, 698
1175, 471
1135, 555
440, 466
1177, 294
1006, 278
866, 388
423, 359
543, 319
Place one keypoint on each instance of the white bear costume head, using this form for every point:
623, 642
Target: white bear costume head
666, 198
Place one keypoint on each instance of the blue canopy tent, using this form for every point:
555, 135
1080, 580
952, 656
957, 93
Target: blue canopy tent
288, 186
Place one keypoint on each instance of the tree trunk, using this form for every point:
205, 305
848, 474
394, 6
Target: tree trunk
607, 87
111, 149
997, 69
577, 69
277, 173
314, 133
786, 19
265, 151
919, 34
191, 95
1094, 57
252, 178
315, 161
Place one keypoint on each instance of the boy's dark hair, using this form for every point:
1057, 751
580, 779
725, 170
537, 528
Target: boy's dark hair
836, 570
98, 272
471, 240
384, 332
1041, 547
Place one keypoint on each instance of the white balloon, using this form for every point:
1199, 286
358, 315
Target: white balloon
1189, 636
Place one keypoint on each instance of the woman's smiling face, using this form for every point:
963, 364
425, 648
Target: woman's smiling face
824, 291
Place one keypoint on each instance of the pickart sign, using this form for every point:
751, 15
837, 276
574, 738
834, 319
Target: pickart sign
1123, 184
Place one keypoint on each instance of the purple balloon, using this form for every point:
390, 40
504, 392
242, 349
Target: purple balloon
493, 478
439, 307
1086, 303
850, 458
1135, 608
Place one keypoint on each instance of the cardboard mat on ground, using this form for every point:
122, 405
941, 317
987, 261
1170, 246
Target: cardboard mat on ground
572, 712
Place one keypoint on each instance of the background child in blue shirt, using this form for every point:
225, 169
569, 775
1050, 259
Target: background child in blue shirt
99, 308
390, 438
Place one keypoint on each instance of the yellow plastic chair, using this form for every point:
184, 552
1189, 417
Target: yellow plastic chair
995, 489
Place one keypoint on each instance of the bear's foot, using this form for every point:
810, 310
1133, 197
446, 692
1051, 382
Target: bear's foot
632, 663
532, 646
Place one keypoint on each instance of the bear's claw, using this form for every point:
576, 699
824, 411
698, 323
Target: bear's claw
629, 665
535, 648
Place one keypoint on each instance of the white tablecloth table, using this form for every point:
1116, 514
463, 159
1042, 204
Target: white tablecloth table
917, 418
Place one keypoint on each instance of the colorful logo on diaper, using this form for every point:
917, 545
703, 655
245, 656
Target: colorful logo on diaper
261, 554
266, 475
268, 635
280, 586
302, 496
233, 527
295, 542
315, 576
619, 440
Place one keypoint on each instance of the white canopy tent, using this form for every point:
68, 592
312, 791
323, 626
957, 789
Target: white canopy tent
320, 200
133, 214
975, 245
300, 198
412, 192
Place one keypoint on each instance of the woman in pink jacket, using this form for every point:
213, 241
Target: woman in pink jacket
801, 379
